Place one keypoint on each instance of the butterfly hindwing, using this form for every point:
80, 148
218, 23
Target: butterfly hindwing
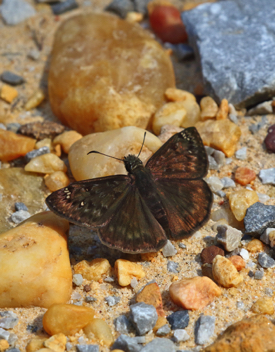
183, 157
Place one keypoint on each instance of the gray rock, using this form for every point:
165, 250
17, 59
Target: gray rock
228, 182
34, 54
214, 183
20, 206
16, 11
160, 345
233, 118
144, 317
163, 330
209, 150
241, 153
109, 279
12, 339
169, 250
255, 127
12, 78
120, 7
259, 274
8, 320
4, 334
173, 267
228, 237
221, 194
122, 324
69, 346
261, 109
212, 164
64, 6
227, 35
77, 279
179, 319
87, 348
265, 260
204, 329
219, 157
36, 152
267, 176
20, 216
180, 335
258, 217
13, 126
112, 300
90, 299
127, 344
141, 6
182, 245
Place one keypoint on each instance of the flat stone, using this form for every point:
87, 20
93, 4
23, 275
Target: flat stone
258, 275
267, 176
160, 345
265, 260
179, 319
77, 279
144, 317
64, 6
204, 329
259, 217
41, 130
16, 11
239, 30
12, 78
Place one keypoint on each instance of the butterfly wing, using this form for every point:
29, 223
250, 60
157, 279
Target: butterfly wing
133, 228
183, 156
90, 203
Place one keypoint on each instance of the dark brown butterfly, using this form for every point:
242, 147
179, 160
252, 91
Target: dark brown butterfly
136, 213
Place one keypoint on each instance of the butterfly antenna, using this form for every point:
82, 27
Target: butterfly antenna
109, 156
142, 144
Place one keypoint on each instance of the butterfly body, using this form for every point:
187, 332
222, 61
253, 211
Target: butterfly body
136, 213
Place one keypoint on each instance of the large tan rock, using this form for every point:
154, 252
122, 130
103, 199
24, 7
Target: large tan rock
106, 73
35, 265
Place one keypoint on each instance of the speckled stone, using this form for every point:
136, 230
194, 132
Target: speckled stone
144, 317
179, 319
258, 217
204, 329
265, 260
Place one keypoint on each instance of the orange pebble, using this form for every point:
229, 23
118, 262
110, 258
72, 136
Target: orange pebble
244, 175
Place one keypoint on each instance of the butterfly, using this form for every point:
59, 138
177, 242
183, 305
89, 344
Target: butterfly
136, 213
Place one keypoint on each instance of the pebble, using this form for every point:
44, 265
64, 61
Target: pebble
228, 237
134, 282
12, 78
255, 246
182, 245
13, 127
112, 300
56, 180
261, 109
179, 319
241, 153
233, 118
144, 317
4, 334
46, 164
244, 254
77, 279
56, 342
180, 335
268, 235
16, 11
126, 343
269, 140
265, 260
240, 201
204, 329
163, 330
34, 54
214, 183
212, 164
64, 6
41, 130
126, 271
255, 127
93, 270
172, 267
169, 250
209, 253
194, 293
160, 345
120, 7
209, 150
8, 320
225, 273
87, 348
268, 291
209, 108
244, 175
8, 93
150, 294
267, 176
19, 216
237, 261
223, 111
20, 206
227, 182
122, 324
36, 152
263, 305
258, 275
90, 299
240, 305
259, 217
219, 157
67, 139
4, 345
99, 329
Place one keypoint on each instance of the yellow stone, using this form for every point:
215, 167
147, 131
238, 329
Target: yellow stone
174, 94
225, 273
46, 164
93, 270
220, 134
255, 246
56, 180
126, 271
99, 329
67, 139
134, 16
4, 345
172, 113
35, 344
263, 305
222, 113
35, 100
240, 201
57, 342
95, 87
35, 263
209, 108
160, 322
46, 142
66, 318
8, 93
12, 145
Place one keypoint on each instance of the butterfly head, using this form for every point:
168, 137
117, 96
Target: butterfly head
132, 162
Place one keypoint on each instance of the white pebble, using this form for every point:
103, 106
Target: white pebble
244, 254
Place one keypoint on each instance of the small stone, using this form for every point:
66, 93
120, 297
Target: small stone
126, 343
209, 253
194, 293
267, 176
263, 305
64, 6
258, 275
93, 270
46, 164
34, 54
214, 183
271, 237
172, 267
169, 250
20, 206
134, 17
77, 279
8, 320
219, 157
141, 6
237, 261
233, 118
120, 7
244, 175
209, 150
206, 270
263, 197
182, 245
144, 317
35, 100
240, 201
112, 300
269, 140
69, 346
180, 335
225, 273
12, 78
240, 305
204, 329
99, 329
67, 139
259, 217
223, 111
16, 11
42, 130
122, 324
163, 330
56, 343
20, 216
160, 345
179, 319
244, 254
134, 282
56, 180
87, 348
4, 345
4, 334
265, 260
36, 152
150, 294
255, 127
228, 237
126, 270
255, 246
8, 93
269, 291
241, 153
160, 322
212, 164
228, 182
90, 299
261, 109
209, 108
13, 127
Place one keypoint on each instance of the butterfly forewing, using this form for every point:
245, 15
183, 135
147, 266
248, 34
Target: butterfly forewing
183, 157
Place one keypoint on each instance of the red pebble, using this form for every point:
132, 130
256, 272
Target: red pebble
209, 253
270, 139
166, 23
244, 175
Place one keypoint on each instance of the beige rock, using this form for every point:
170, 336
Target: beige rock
4, 345
263, 305
56, 180
66, 318
45, 349
35, 100
46, 164
172, 113
93, 270
133, 16
225, 213
99, 329
119, 86
194, 293
240, 201
174, 94
57, 342
209, 108
271, 237
8, 93
238, 262
35, 344
117, 143
67, 139
12, 145
46, 142
35, 263
255, 246
220, 134
223, 111
126, 271
225, 273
